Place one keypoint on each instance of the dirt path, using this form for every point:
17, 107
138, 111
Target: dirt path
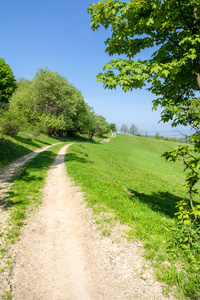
62, 256
8, 172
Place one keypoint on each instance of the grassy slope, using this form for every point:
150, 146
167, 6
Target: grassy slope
107, 170
12, 148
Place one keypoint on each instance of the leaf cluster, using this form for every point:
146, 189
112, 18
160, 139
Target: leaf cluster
171, 30
48, 103
7, 83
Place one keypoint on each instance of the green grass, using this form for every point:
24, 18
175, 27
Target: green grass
26, 191
128, 177
12, 148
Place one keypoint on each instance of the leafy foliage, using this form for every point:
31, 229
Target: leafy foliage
7, 83
171, 29
113, 127
50, 104
11, 123
96, 125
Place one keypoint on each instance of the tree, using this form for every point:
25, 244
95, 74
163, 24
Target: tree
170, 26
133, 130
157, 136
113, 127
96, 125
172, 71
171, 29
50, 104
7, 83
124, 128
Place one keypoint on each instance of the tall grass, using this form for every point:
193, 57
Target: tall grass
129, 177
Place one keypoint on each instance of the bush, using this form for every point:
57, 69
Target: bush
10, 123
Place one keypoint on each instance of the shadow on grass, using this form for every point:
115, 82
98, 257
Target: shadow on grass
10, 151
28, 177
163, 202
10, 201
74, 157
29, 141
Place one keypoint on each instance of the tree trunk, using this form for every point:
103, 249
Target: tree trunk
195, 61
196, 71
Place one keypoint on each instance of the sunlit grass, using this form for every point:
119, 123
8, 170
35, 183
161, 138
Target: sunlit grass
129, 177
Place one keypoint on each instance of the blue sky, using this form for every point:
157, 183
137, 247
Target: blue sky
56, 34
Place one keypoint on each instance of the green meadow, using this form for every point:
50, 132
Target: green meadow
128, 177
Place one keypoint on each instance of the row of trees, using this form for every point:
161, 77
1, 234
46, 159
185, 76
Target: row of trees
48, 103
133, 129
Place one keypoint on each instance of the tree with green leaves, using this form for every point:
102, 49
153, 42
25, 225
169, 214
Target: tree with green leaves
124, 129
157, 136
170, 30
7, 83
50, 104
96, 125
113, 127
133, 130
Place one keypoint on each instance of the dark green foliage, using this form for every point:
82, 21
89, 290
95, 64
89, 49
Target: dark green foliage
50, 104
7, 83
96, 125
113, 127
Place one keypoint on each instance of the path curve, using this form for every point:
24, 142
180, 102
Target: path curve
61, 255
8, 172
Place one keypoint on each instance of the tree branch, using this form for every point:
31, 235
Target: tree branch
185, 20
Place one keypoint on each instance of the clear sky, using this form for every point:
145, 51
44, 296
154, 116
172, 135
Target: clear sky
57, 34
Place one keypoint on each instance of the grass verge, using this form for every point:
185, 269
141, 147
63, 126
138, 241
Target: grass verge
128, 177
